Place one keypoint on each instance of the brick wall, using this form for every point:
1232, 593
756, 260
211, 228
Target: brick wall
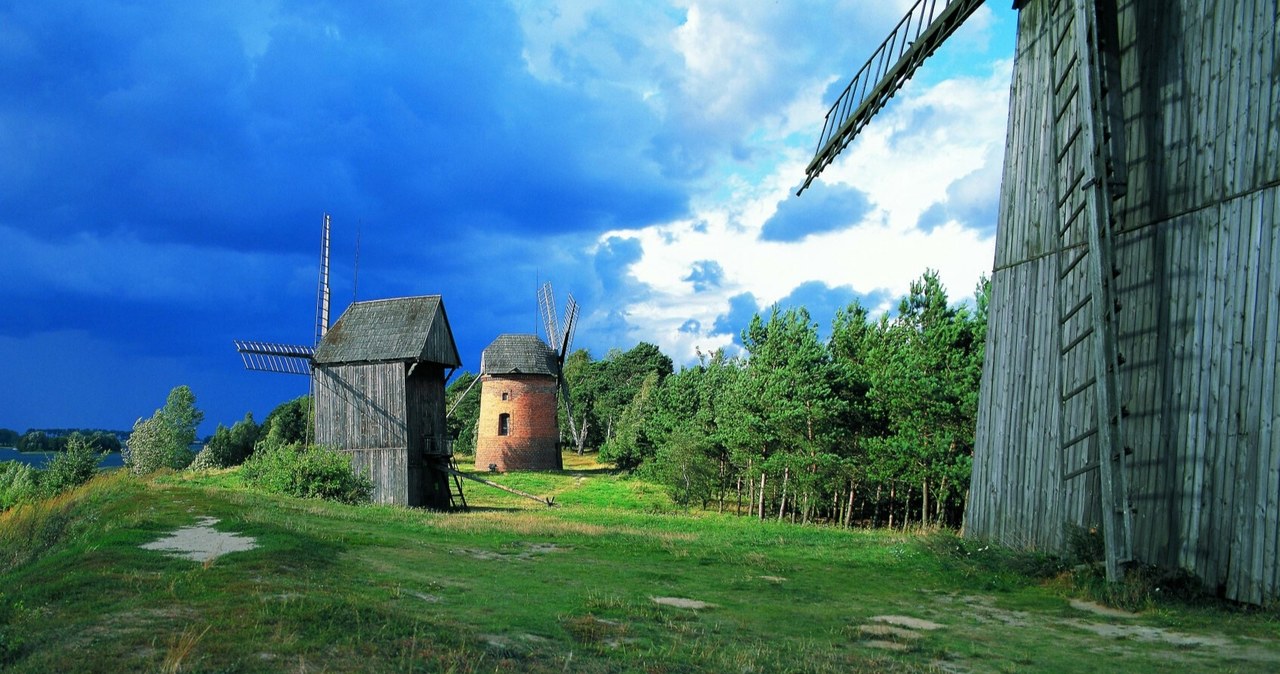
532, 438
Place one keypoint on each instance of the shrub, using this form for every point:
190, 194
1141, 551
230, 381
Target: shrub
19, 483
72, 467
228, 446
305, 471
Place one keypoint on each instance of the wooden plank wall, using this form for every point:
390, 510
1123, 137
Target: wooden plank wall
1199, 236
361, 409
425, 404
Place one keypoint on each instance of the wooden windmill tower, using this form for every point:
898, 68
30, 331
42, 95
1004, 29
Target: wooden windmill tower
1130, 376
520, 378
377, 385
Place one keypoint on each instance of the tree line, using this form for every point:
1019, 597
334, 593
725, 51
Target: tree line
58, 439
873, 425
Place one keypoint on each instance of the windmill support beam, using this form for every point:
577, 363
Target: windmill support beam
916, 37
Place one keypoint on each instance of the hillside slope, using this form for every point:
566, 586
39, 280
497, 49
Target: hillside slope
612, 580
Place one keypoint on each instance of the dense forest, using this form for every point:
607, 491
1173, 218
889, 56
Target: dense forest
873, 425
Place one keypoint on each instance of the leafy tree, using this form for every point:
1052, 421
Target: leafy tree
228, 446
9, 437
35, 441
289, 422
586, 383
164, 440
685, 467
466, 414
630, 445
181, 414
623, 374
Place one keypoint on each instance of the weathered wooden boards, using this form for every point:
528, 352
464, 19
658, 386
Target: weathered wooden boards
1199, 236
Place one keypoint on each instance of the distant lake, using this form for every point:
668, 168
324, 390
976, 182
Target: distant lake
39, 459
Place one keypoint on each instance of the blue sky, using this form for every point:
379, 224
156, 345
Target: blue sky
164, 168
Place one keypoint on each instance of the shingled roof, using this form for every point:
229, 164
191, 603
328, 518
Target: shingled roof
518, 354
411, 329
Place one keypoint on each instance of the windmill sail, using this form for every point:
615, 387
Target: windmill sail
570, 326
916, 37
271, 357
322, 288
293, 358
547, 308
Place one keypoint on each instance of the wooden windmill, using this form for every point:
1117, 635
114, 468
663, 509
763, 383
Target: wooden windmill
1130, 377
521, 379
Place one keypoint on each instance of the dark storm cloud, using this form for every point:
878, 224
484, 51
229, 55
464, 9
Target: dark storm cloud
824, 208
167, 165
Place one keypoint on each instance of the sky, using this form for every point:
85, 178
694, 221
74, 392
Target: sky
165, 168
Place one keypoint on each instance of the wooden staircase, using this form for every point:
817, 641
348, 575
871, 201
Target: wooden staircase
1089, 176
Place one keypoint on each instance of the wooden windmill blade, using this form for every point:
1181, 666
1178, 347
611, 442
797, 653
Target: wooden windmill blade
570, 327
916, 37
293, 358
322, 287
547, 309
271, 357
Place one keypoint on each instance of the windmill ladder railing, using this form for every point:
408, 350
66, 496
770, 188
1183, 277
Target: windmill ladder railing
918, 35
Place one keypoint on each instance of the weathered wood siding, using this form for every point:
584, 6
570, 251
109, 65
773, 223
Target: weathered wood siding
361, 409
1197, 245
428, 436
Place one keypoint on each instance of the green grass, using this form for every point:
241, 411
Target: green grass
516, 586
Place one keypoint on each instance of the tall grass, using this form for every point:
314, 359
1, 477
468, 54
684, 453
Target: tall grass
30, 529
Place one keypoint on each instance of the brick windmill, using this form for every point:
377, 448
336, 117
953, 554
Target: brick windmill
1133, 359
521, 377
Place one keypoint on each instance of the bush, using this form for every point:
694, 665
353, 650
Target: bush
305, 471
19, 483
228, 446
72, 467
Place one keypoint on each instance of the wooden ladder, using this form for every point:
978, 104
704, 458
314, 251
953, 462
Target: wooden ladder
456, 497
1088, 149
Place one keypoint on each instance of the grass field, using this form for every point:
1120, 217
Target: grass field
614, 579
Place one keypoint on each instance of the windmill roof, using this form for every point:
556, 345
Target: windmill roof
518, 354
411, 329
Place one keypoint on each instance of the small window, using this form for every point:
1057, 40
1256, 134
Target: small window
504, 423
506, 395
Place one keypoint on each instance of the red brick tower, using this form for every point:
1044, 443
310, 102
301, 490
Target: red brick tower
518, 429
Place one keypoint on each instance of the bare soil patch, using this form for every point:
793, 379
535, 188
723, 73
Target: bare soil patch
681, 602
1099, 609
200, 542
907, 621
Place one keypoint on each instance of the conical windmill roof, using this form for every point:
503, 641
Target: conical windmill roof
409, 329
518, 354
